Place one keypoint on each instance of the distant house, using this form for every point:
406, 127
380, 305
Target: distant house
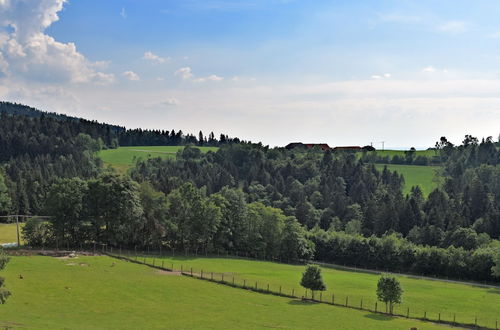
294, 145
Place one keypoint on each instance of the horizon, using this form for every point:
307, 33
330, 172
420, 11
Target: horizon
266, 71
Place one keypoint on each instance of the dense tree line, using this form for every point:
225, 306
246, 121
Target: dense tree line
117, 211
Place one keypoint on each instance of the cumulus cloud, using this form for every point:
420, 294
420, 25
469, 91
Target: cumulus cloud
185, 73
212, 77
131, 75
155, 58
26, 52
123, 13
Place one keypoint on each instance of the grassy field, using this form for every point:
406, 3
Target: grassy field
392, 153
103, 293
423, 176
8, 233
421, 295
124, 157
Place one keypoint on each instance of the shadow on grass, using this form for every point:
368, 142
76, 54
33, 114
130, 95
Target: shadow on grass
378, 317
301, 303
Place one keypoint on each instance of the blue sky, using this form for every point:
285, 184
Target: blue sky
341, 72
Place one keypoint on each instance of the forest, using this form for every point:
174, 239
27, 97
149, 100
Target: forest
251, 199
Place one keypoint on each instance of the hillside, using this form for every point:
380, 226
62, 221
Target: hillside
100, 292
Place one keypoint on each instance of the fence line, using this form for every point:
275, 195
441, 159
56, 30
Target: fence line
264, 287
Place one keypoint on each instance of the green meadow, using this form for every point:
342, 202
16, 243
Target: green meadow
415, 175
8, 232
437, 299
392, 153
123, 158
105, 293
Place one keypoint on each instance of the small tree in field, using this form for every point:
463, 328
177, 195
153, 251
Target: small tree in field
311, 279
389, 291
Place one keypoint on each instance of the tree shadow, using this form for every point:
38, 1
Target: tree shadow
378, 317
301, 302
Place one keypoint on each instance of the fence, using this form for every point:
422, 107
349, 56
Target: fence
258, 285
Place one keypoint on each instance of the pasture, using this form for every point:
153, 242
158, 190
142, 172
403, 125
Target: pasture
123, 158
8, 233
105, 293
432, 298
392, 153
424, 176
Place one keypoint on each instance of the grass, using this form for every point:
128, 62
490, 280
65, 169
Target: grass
392, 153
8, 233
423, 176
421, 295
104, 293
124, 157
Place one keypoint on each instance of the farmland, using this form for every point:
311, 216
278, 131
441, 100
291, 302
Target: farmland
100, 292
423, 176
124, 157
437, 299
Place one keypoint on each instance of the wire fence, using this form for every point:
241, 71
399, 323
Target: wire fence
369, 304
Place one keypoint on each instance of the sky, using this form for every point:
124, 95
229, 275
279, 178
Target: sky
275, 71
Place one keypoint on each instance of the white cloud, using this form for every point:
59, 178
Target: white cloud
381, 76
27, 53
212, 77
185, 73
429, 69
155, 58
453, 27
123, 13
171, 102
131, 75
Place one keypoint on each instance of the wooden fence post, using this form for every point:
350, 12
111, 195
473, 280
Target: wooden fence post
191, 271
202, 274
346, 301
181, 269
280, 289
222, 277
375, 307
408, 312
233, 280
153, 262
255, 285
425, 315
454, 317
212, 276
267, 287
245, 284
333, 299
293, 292
162, 264
439, 317
361, 306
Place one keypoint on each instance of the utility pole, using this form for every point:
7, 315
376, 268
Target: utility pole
17, 229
